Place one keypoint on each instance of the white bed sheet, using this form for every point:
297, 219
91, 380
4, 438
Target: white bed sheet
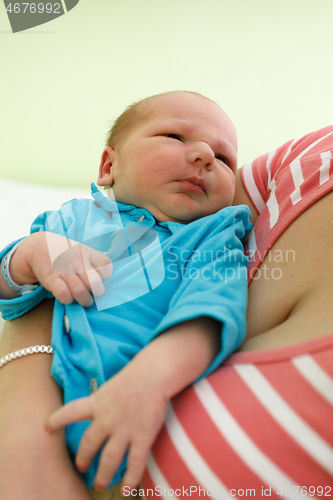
21, 202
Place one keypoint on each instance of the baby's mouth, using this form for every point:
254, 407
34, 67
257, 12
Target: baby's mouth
195, 184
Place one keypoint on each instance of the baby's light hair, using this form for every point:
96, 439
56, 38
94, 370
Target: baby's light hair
135, 114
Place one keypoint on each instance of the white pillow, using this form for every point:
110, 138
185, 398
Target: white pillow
21, 202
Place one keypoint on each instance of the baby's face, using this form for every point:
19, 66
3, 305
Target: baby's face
180, 163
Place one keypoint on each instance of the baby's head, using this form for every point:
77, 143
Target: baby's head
173, 154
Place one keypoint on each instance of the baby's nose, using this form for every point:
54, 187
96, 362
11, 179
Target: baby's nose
201, 155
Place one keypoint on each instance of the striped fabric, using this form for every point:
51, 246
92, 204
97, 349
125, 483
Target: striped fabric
262, 424
283, 183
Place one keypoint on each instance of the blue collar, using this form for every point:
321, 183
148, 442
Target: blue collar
116, 206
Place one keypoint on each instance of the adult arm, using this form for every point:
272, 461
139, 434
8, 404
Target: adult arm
31, 460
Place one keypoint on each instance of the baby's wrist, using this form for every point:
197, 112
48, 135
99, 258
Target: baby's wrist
12, 283
19, 268
155, 375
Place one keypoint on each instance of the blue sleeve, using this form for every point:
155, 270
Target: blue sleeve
14, 308
214, 280
61, 222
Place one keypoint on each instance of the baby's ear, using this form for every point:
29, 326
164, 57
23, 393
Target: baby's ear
105, 174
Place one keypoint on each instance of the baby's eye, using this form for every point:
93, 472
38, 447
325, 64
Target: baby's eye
223, 159
174, 136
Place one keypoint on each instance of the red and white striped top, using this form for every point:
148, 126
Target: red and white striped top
262, 424
283, 183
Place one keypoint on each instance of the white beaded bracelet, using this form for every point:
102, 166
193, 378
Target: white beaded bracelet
47, 349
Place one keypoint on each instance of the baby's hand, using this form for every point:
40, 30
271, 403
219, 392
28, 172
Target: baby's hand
68, 269
126, 414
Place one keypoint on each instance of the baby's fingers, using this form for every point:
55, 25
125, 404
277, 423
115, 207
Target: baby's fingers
58, 287
78, 289
95, 282
136, 463
99, 268
72, 412
91, 442
111, 457
102, 263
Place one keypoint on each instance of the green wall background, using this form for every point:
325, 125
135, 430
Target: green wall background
268, 63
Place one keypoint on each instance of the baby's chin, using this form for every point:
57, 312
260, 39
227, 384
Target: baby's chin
185, 209
182, 218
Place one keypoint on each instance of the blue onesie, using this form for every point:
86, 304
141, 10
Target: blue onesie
163, 273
